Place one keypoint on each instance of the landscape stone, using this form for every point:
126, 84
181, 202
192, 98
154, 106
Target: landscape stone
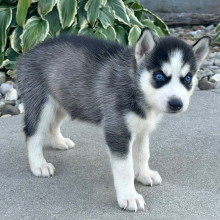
5, 87
2, 77
9, 109
215, 78
11, 95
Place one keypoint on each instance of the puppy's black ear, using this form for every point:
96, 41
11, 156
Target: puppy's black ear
201, 49
144, 44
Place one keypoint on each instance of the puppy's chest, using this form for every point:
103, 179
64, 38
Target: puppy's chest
137, 124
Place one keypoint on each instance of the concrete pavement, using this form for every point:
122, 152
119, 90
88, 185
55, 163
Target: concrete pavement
185, 149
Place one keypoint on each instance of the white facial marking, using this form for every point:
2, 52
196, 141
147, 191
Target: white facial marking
158, 98
174, 64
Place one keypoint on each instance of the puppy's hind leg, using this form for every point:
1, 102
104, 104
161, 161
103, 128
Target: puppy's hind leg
56, 138
37, 122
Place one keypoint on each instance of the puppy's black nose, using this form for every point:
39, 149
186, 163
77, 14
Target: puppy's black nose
175, 104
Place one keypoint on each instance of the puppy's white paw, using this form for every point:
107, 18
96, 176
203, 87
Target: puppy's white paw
149, 177
63, 144
44, 169
132, 201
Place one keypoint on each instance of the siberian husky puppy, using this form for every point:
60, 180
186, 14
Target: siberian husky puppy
124, 89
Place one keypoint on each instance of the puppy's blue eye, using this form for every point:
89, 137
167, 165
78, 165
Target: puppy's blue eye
187, 79
159, 77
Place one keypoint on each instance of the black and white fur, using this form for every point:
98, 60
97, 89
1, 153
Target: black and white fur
102, 82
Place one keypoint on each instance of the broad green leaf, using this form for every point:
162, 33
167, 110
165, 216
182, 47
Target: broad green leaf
22, 9
158, 22
100, 35
13, 20
35, 31
8, 64
11, 54
109, 33
54, 22
45, 6
48, 37
133, 35
5, 18
155, 29
217, 38
121, 35
119, 9
74, 29
106, 17
81, 14
137, 8
104, 2
133, 19
92, 8
128, 2
86, 31
218, 28
15, 40
1, 57
67, 10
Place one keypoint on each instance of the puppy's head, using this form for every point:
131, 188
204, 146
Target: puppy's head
168, 69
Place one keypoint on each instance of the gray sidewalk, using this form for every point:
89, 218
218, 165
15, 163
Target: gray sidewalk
185, 149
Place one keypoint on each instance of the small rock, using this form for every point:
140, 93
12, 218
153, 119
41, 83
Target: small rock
9, 109
217, 85
217, 62
196, 34
208, 63
0, 96
217, 55
204, 84
5, 87
10, 83
210, 27
172, 30
211, 55
2, 104
11, 95
215, 78
2, 77
21, 107
214, 69
5, 116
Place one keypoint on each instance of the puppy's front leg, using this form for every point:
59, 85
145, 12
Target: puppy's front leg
123, 172
141, 155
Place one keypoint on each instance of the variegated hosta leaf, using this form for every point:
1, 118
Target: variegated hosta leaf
45, 6
11, 54
218, 28
119, 9
100, 35
67, 10
54, 22
157, 32
5, 18
104, 2
137, 8
132, 17
22, 9
74, 29
106, 17
1, 57
158, 22
121, 35
92, 8
133, 35
15, 40
8, 64
217, 38
109, 33
86, 31
81, 13
35, 31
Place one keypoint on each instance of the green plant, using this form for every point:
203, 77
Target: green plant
217, 37
25, 23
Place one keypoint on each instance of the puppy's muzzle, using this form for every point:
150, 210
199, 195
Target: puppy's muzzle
175, 105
